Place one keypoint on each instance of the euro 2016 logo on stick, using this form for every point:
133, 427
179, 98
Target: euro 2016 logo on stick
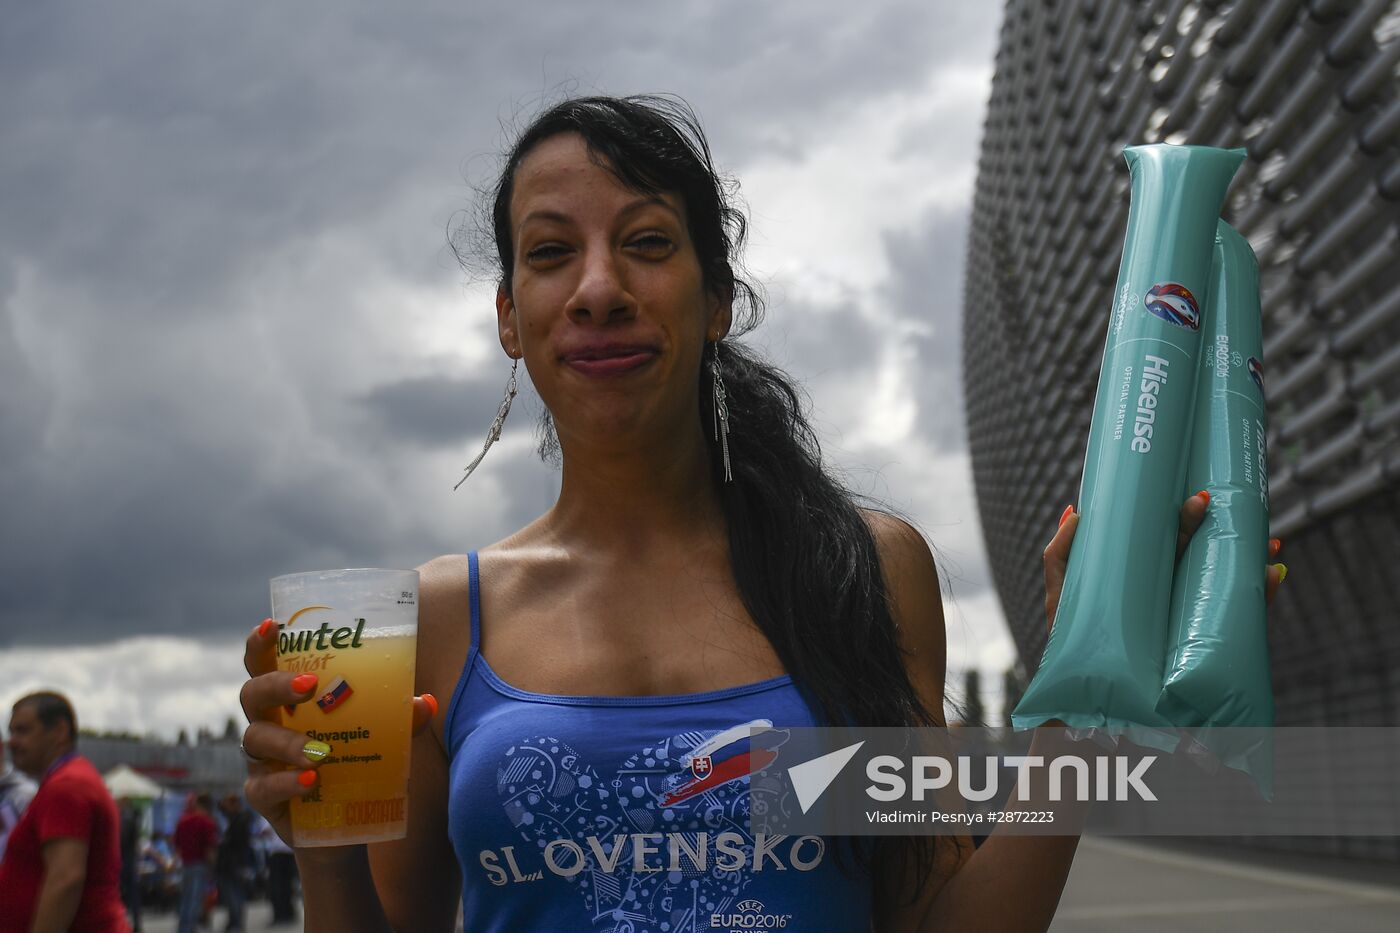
1174, 304
1256, 372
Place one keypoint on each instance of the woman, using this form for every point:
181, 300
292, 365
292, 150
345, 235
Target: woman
698, 573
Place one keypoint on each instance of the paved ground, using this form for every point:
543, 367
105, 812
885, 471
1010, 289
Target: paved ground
1118, 885
258, 920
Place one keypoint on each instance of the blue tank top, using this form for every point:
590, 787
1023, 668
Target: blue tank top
628, 814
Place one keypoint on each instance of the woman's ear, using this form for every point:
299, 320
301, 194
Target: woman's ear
721, 315
507, 324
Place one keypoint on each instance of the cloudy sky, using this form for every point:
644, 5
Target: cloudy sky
234, 341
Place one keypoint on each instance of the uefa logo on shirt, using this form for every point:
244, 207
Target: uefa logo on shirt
749, 917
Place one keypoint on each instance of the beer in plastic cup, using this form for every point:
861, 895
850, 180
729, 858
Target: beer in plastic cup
356, 630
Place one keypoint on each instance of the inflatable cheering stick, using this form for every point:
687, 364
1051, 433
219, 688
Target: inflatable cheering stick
1103, 663
1217, 666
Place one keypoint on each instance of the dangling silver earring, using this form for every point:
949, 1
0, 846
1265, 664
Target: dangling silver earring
721, 409
493, 433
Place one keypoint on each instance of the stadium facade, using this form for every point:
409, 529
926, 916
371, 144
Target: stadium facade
1310, 89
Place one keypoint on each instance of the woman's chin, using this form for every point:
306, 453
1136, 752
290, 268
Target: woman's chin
621, 429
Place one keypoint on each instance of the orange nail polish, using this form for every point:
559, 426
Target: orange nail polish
432, 704
303, 682
1069, 510
1275, 545
1204, 495
306, 778
264, 627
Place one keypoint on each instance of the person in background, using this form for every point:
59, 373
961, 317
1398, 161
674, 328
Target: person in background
281, 875
197, 843
235, 860
62, 861
158, 880
16, 790
131, 852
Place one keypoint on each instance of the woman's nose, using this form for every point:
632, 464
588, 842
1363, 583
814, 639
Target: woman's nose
601, 293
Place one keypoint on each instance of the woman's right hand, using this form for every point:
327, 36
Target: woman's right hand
269, 746
282, 762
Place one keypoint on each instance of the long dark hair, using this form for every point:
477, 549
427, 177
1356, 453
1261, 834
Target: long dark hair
803, 557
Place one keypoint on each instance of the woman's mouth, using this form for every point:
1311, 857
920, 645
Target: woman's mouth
611, 365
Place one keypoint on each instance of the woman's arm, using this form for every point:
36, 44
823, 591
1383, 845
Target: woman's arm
911, 580
338, 891
1010, 883
410, 884
419, 882
418, 878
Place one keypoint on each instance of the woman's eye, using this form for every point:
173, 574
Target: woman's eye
545, 252
653, 243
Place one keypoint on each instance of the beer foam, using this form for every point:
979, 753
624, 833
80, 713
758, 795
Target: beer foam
391, 631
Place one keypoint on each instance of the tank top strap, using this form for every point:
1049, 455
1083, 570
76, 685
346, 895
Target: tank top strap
475, 586
454, 705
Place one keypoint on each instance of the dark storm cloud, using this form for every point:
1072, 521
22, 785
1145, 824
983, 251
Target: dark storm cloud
24, 403
432, 410
819, 340
926, 286
157, 149
919, 302
158, 554
834, 349
210, 213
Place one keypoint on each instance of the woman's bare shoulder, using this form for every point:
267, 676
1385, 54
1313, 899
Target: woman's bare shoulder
916, 602
445, 616
905, 555
445, 581
443, 587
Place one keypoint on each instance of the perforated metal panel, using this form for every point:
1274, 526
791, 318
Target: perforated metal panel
1311, 90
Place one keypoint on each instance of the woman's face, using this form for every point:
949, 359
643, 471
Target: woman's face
607, 303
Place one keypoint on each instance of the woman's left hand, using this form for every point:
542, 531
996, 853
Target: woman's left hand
1193, 512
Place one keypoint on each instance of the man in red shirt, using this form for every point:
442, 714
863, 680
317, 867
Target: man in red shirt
196, 842
63, 862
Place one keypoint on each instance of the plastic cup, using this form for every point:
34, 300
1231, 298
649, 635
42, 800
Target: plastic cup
356, 630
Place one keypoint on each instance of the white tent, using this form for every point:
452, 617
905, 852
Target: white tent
124, 782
